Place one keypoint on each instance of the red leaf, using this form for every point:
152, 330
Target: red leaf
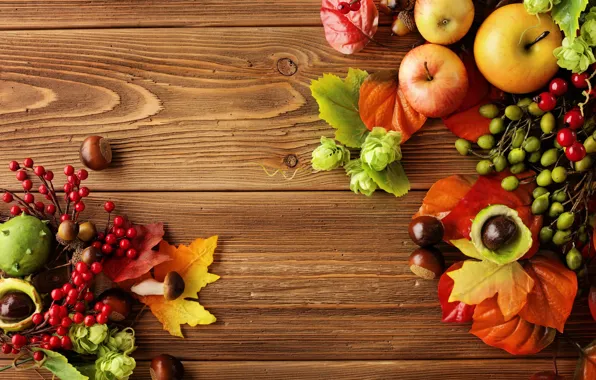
444, 195
516, 336
349, 33
534, 223
478, 86
122, 268
454, 312
469, 124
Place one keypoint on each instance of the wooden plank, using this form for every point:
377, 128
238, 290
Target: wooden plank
210, 103
308, 276
519, 368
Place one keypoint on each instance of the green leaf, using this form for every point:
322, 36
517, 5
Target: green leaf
392, 179
59, 366
338, 105
566, 14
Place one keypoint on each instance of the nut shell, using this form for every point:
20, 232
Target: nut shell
96, 153
427, 263
120, 301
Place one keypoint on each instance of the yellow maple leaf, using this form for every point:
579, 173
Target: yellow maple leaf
476, 281
192, 264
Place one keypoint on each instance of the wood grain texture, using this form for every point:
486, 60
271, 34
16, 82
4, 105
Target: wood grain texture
208, 103
512, 369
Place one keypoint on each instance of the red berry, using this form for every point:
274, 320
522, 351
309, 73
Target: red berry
57, 294
28, 198
124, 243
580, 80
37, 318
96, 267
35, 339
111, 239
28, 163
566, 137
67, 288
558, 86
66, 322
355, 6
80, 307
55, 342
66, 343
96, 244
39, 171
101, 236
109, 206
15, 210
74, 196
43, 189
39, 206
81, 267
89, 320
48, 197
51, 209
576, 152
54, 321
68, 170
7, 197
13, 166
84, 191
88, 296
82, 174
45, 346
6, 348
21, 175
343, 8
73, 293
120, 252
64, 217
73, 179
102, 319
38, 356
27, 184
131, 253
67, 188
18, 340
72, 301
62, 331
120, 232
15, 350
78, 280
77, 317
573, 119
107, 249
118, 221
98, 306
54, 311
87, 276
45, 338
79, 206
131, 233
546, 101
106, 309
49, 175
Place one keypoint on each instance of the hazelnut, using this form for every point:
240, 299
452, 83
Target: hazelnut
96, 153
87, 231
90, 255
68, 230
166, 367
120, 302
427, 263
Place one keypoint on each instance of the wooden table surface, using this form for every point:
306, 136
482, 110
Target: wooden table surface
195, 96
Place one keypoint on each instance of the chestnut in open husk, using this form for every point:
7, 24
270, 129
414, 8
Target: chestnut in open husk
166, 367
427, 263
498, 231
426, 230
16, 306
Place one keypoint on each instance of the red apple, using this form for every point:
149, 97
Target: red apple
434, 80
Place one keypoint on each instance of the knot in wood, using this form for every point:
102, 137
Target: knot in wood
291, 160
286, 67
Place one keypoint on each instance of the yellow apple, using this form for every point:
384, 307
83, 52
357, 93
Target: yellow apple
510, 52
443, 22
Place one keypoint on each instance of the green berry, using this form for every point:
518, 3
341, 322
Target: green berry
516, 156
484, 167
532, 144
540, 205
559, 174
574, 259
496, 126
518, 138
544, 179
590, 145
539, 191
489, 111
510, 183
557, 145
556, 209
463, 146
525, 102
565, 220
559, 195
562, 237
518, 168
546, 234
549, 157
535, 157
534, 110
500, 163
547, 123
584, 164
486, 141
514, 113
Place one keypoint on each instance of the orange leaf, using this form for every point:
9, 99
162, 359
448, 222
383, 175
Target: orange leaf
444, 195
478, 86
551, 299
516, 336
382, 104
586, 366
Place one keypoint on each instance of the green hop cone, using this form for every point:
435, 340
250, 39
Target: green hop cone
360, 181
121, 341
588, 32
538, 6
575, 56
381, 148
329, 155
87, 340
114, 365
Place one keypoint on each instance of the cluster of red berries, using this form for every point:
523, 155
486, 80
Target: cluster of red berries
117, 240
345, 8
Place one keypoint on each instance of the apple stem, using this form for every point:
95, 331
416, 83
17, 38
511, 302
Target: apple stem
428, 76
542, 36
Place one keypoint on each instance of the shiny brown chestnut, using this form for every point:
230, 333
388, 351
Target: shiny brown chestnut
96, 153
48, 280
427, 263
15, 306
426, 230
498, 231
166, 367
120, 302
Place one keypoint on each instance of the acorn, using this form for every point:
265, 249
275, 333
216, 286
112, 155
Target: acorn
87, 231
427, 263
404, 23
68, 230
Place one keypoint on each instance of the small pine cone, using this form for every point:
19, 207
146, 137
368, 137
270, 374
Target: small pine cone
407, 17
77, 255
